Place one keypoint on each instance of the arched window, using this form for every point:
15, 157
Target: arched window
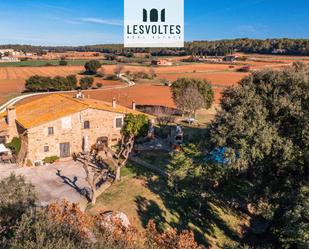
154, 15
163, 15
145, 15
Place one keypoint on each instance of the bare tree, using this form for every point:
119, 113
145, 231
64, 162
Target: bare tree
118, 159
190, 100
152, 73
101, 72
164, 115
189, 95
96, 170
118, 69
134, 126
98, 164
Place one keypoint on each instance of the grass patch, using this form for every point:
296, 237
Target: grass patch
135, 199
142, 196
157, 159
14, 145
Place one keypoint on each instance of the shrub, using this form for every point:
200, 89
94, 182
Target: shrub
72, 81
38, 83
63, 63
14, 145
50, 160
136, 125
99, 85
166, 82
92, 66
244, 69
16, 198
86, 82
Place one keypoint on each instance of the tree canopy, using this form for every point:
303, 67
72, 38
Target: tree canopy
219, 47
135, 125
92, 66
16, 199
265, 120
192, 94
38, 83
263, 126
86, 82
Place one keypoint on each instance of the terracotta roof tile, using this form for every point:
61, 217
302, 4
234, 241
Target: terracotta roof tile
106, 106
3, 125
55, 106
46, 109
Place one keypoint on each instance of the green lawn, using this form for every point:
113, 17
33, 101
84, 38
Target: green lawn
142, 195
158, 159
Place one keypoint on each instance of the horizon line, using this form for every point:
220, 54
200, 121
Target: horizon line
188, 41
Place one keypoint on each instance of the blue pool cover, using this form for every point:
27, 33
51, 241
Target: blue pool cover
217, 156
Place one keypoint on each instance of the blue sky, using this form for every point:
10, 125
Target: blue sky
80, 22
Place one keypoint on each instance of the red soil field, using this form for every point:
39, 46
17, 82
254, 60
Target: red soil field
142, 95
12, 79
218, 79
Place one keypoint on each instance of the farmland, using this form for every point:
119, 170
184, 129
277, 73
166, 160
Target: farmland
44, 63
12, 79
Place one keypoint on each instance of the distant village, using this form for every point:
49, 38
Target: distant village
10, 55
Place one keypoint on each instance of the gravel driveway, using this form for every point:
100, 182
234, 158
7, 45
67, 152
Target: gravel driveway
63, 180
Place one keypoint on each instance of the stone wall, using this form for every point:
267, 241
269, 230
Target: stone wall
71, 130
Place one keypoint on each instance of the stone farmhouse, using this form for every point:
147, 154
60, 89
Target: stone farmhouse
60, 125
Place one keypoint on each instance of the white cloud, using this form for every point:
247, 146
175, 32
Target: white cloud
102, 21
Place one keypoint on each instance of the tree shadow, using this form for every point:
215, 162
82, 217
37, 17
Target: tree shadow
150, 210
72, 183
191, 211
140, 171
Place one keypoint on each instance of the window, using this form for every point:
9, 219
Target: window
50, 130
66, 123
119, 122
86, 124
46, 148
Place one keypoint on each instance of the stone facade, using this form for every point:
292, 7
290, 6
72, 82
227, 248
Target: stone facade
44, 140
12, 125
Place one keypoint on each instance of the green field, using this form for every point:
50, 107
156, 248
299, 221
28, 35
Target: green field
41, 63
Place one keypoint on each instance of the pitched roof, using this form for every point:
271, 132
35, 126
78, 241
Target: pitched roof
106, 106
55, 106
46, 109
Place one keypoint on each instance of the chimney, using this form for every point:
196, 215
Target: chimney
11, 120
133, 105
79, 95
11, 111
114, 103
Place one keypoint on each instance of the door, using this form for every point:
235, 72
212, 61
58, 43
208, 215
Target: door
65, 150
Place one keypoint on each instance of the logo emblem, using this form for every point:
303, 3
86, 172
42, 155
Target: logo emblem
154, 23
154, 15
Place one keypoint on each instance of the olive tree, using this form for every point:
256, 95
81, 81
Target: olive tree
92, 66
